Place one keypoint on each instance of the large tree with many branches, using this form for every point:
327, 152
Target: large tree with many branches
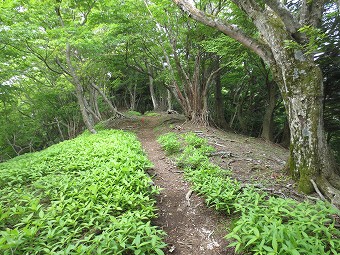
286, 38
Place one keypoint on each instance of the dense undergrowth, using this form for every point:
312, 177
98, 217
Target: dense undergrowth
89, 195
265, 224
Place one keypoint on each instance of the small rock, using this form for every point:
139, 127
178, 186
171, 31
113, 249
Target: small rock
172, 248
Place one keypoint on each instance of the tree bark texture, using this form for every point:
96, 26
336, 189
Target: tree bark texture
79, 91
268, 120
298, 77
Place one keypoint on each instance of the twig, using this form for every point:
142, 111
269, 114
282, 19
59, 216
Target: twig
187, 196
221, 145
317, 190
210, 234
220, 153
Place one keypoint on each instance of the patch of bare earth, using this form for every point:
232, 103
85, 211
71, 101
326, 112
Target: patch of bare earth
191, 227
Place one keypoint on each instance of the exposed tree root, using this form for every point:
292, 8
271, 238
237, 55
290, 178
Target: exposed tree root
329, 191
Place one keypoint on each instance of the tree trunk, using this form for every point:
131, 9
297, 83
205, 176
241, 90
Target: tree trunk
169, 100
239, 114
94, 103
133, 97
200, 112
86, 118
268, 120
152, 89
298, 77
113, 109
79, 91
303, 94
285, 138
219, 119
75, 79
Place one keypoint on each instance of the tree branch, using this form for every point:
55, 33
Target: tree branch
228, 29
286, 16
311, 12
86, 14
65, 71
41, 58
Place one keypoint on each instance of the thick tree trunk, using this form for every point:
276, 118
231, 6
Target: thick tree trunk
302, 90
268, 120
298, 77
301, 85
200, 113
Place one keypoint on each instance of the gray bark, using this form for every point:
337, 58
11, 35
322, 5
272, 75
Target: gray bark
298, 77
79, 91
113, 109
268, 122
152, 89
220, 120
75, 79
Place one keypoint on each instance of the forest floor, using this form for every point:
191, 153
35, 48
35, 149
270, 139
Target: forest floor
191, 227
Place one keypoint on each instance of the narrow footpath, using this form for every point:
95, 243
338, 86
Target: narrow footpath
191, 227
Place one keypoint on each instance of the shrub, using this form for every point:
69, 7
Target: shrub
192, 158
193, 140
133, 113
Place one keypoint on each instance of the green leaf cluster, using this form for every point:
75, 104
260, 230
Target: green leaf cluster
170, 143
89, 195
266, 224
315, 39
270, 225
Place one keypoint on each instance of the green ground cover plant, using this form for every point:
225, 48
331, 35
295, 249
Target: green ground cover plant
170, 143
151, 114
89, 195
133, 113
264, 224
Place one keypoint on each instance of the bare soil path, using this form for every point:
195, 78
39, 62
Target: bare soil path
191, 227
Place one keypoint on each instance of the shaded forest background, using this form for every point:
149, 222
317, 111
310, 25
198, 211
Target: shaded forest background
71, 65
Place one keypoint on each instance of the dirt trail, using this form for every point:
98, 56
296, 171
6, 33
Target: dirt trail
192, 228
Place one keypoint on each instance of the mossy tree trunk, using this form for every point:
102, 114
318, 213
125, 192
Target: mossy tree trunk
299, 79
302, 92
